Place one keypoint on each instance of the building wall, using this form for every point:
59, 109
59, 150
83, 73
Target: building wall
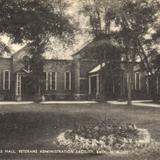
18, 58
79, 77
5, 64
85, 67
60, 67
140, 92
79, 69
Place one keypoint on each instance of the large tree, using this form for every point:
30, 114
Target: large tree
34, 22
127, 21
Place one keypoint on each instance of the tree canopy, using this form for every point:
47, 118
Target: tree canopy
30, 20
128, 22
34, 22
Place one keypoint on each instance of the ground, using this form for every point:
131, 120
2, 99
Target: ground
33, 126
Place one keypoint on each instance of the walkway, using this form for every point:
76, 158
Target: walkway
15, 102
46, 102
69, 102
143, 103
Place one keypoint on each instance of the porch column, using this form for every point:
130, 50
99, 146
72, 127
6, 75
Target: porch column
12, 80
18, 87
77, 79
97, 93
121, 86
89, 80
147, 85
157, 84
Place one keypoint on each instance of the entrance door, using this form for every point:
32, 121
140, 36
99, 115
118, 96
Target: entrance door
93, 86
112, 87
116, 87
27, 88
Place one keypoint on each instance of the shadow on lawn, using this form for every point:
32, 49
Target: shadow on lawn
35, 130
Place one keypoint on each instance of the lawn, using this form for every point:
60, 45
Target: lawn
35, 126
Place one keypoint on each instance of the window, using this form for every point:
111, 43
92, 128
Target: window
67, 80
147, 85
43, 80
158, 84
6, 80
53, 80
137, 81
18, 81
46, 77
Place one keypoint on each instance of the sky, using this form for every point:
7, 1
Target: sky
81, 39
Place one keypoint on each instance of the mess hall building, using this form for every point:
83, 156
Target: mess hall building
78, 78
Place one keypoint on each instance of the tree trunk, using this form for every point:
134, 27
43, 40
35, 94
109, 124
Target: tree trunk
12, 89
102, 77
129, 89
37, 68
101, 87
153, 88
129, 84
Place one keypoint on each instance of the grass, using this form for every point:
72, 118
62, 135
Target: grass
34, 127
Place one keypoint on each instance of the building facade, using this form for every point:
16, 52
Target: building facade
79, 78
62, 80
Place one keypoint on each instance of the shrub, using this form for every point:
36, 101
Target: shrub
105, 136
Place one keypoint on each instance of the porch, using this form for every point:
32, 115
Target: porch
23, 86
111, 83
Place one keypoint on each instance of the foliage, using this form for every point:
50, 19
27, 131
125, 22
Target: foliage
4, 48
34, 22
31, 20
127, 21
106, 136
131, 18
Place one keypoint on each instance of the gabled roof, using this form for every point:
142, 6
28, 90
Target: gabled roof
97, 68
21, 53
82, 49
5, 50
95, 47
18, 56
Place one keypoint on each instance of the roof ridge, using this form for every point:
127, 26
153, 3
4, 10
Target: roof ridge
20, 50
85, 45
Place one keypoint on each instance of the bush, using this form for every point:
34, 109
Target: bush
105, 136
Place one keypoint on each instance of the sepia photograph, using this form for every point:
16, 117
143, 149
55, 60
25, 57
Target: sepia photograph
80, 79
